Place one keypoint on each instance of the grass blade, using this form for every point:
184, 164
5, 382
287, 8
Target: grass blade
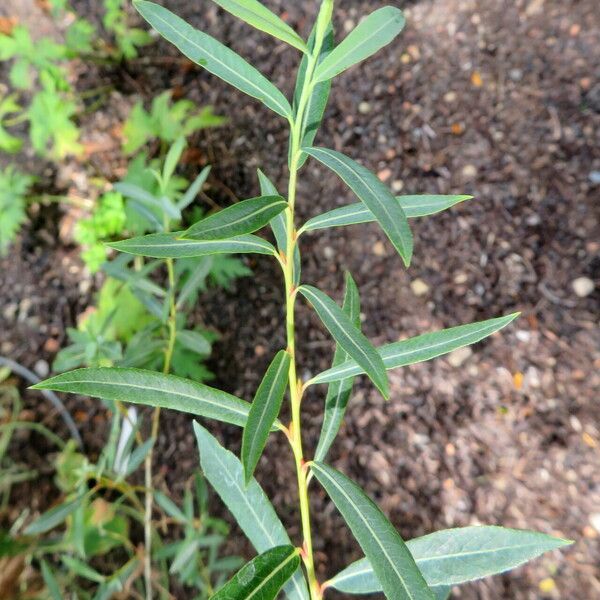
354, 343
171, 245
264, 411
263, 576
338, 392
371, 34
214, 56
240, 219
389, 556
138, 386
374, 195
453, 556
353, 214
259, 16
422, 347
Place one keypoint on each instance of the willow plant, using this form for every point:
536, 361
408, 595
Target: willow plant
422, 568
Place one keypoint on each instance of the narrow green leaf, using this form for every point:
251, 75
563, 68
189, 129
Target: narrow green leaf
248, 504
259, 16
354, 343
171, 245
453, 556
193, 341
241, 218
371, 34
172, 158
53, 517
392, 562
264, 411
317, 102
339, 392
139, 386
192, 191
422, 347
278, 223
263, 576
147, 200
214, 56
353, 214
82, 569
170, 508
374, 194
50, 581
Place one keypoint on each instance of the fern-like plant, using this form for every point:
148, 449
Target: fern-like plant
421, 569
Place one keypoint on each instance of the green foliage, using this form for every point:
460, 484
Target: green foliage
166, 121
14, 187
425, 568
8, 105
128, 39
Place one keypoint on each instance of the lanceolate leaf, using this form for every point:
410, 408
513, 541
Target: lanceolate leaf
317, 102
248, 503
353, 342
413, 206
422, 347
454, 556
264, 411
53, 517
139, 386
259, 16
374, 195
339, 392
214, 56
278, 223
392, 562
192, 191
241, 218
171, 245
263, 576
372, 33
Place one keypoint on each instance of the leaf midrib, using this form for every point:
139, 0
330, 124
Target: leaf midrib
271, 575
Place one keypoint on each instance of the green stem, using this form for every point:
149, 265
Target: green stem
295, 432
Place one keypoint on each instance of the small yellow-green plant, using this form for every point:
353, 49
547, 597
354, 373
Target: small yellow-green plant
420, 569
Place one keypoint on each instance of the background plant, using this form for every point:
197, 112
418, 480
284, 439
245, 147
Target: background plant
423, 568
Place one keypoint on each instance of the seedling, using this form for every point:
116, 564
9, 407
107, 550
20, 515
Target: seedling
421, 569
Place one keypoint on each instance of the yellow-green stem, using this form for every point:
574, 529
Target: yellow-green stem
172, 328
290, 294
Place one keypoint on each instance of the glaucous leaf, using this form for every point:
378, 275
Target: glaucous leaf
353, 342
147, 200
422, 347
259, 16
244, 217
389, 556
248, 504
278, 223
138, 386
370, 35
194, 341
453, 556
50, 581
413, 206
264, 411
263, 576
171, 245
338, 392
192, 191
374, 195
172, 158
53, 517
214, 56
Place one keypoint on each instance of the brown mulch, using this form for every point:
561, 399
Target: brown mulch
500, 100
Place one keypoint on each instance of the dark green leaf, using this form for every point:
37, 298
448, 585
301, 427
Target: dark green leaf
248, 503
259, 16
338, 392
372, 33
214, 56
413, 206
139, 386
453, 556
422, 347
241, 218
353, 342
374, 194
264, 411
391, 560
262, 577
171, 245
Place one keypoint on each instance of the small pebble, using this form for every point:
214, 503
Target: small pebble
328, 252
469, 171
364, 108
378, 249
397, 185
582, 286
595, 521
458, 357
384, 174
419, 287
41, 368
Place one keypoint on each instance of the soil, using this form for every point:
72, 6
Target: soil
498, 100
